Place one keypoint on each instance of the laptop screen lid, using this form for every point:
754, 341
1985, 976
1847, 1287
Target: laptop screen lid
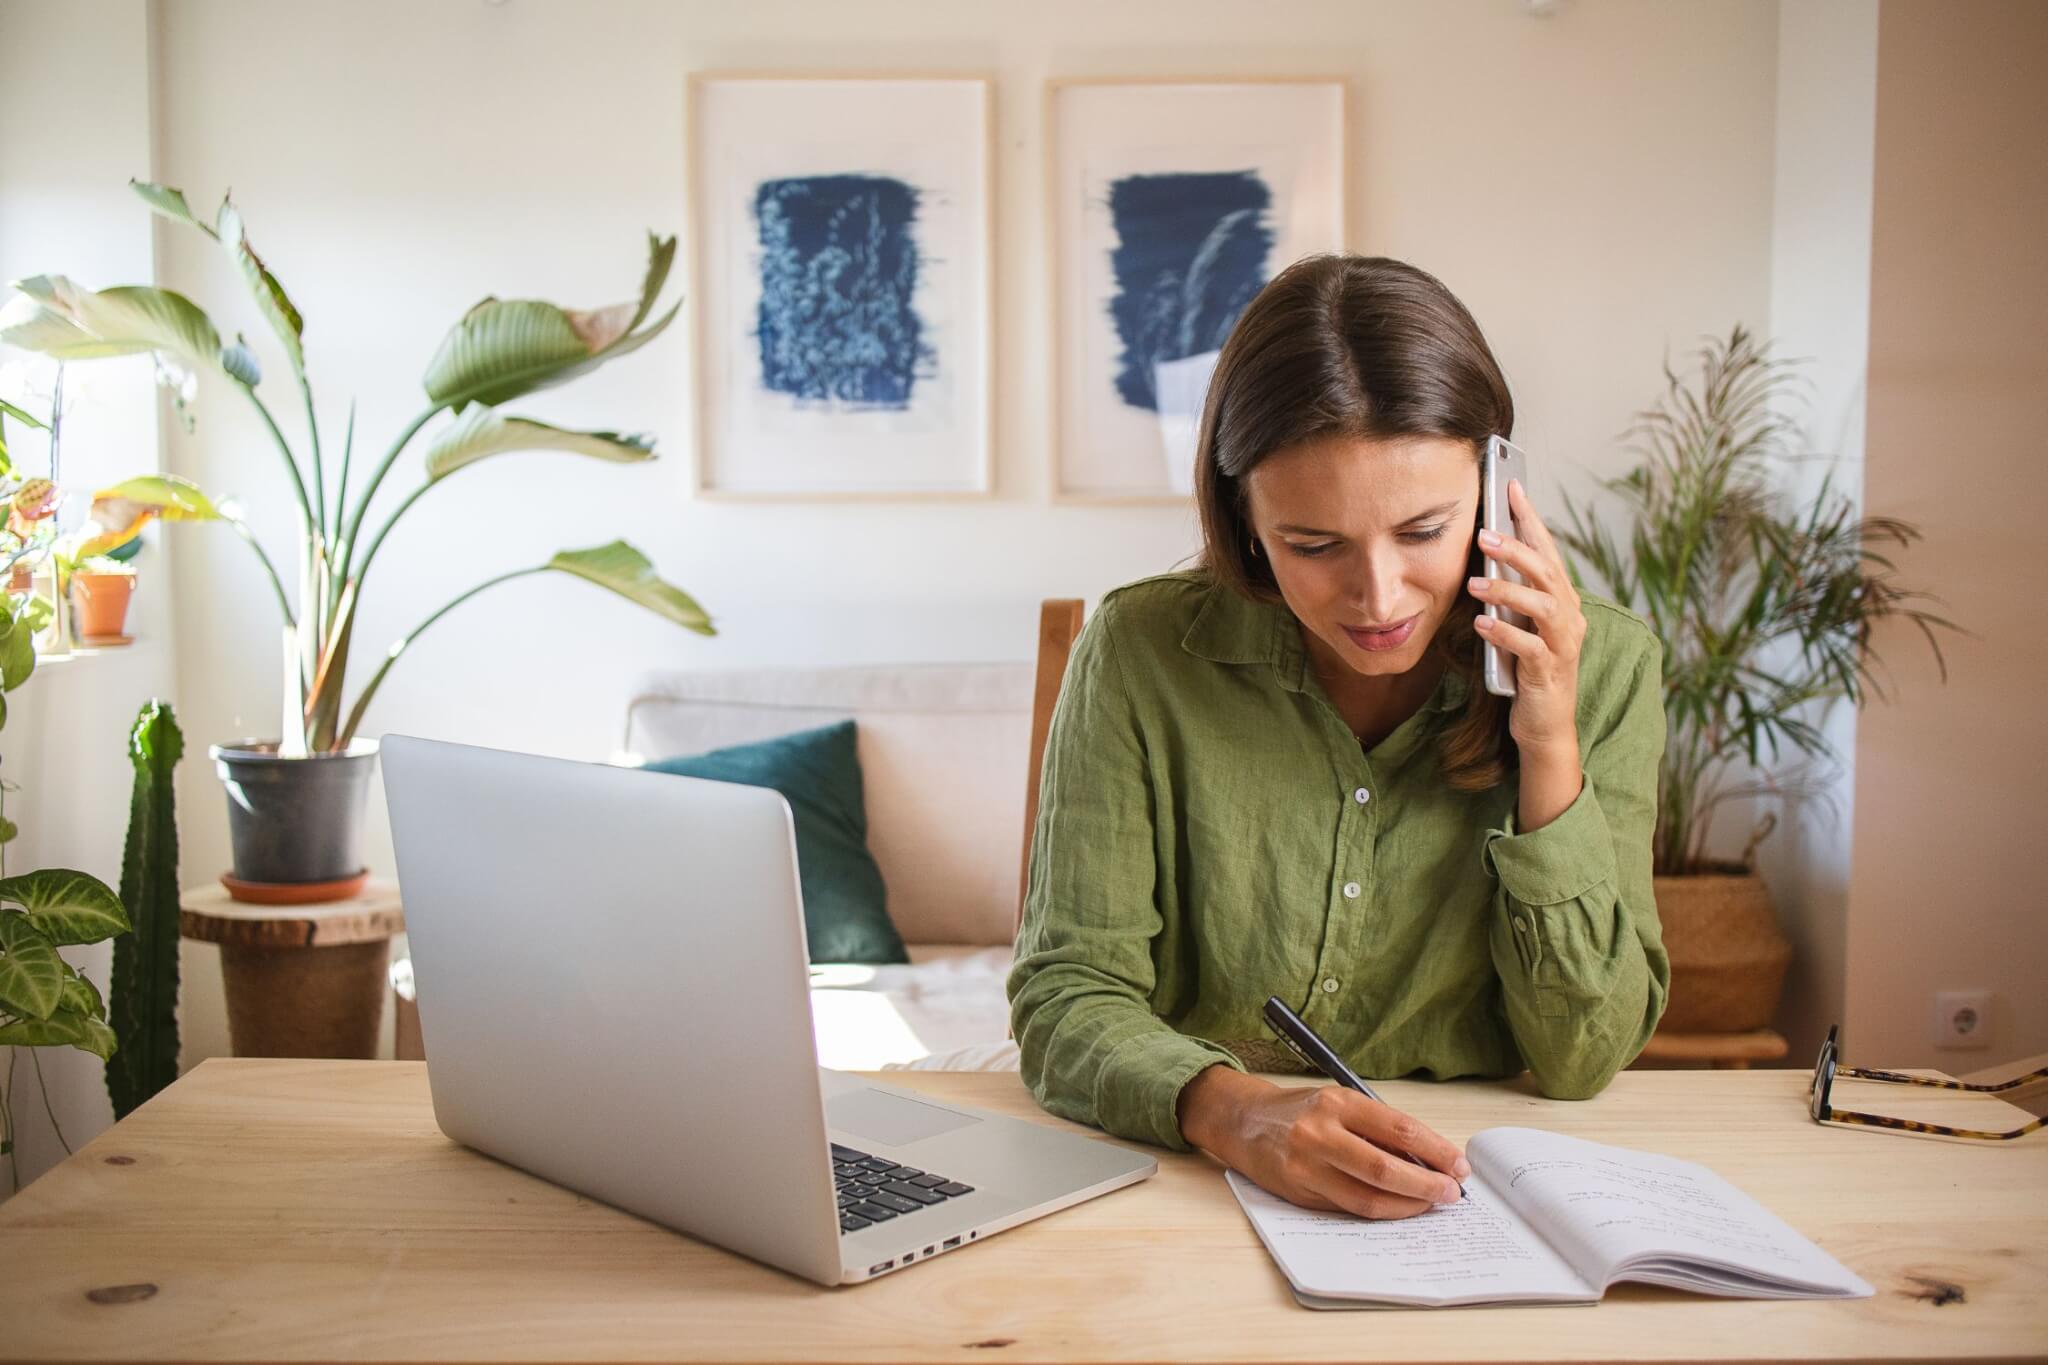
613, 988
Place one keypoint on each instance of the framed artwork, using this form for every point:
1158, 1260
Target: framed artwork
840, 232
1173, 202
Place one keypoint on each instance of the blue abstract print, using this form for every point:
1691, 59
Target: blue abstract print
1190, 254
839, 265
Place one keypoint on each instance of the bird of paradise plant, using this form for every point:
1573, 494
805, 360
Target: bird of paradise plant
500, 350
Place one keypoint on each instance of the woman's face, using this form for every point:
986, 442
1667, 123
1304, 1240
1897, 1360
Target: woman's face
1369, 541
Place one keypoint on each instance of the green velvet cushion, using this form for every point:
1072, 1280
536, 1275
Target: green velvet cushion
846, 907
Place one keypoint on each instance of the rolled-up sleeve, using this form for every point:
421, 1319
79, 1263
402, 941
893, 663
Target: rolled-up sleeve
1091, 1048
1574, 930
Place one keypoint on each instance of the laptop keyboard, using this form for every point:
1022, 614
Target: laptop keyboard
873, 1190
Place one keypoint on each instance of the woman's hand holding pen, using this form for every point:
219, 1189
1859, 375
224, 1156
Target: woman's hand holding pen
1322, 1147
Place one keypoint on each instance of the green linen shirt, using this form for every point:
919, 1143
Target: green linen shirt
1210, 832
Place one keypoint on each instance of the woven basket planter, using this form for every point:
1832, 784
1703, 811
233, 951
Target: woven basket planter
1728, 956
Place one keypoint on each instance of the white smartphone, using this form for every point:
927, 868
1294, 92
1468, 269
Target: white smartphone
1504, 461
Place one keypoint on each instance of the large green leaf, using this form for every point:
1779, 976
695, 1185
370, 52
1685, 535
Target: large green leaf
277, 309
127, 507
66, 1026
123, 320
503, 348
31, 974
627, 572
167, 495
483, 431
169, 202
67, 906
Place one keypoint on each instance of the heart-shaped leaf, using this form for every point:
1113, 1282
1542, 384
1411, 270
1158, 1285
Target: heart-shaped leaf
31, 974
17, 655
627, 572
81, 996
483, 432
503, 348
64, 1027
67, 906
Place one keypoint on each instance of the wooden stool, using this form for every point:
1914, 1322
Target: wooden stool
1722, 1051
301, 980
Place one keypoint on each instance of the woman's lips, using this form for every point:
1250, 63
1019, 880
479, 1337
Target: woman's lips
1383, 639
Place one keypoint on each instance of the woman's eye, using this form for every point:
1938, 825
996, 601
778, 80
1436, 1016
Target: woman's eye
1406, 537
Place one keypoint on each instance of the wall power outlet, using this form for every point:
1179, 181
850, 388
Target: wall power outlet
1962, 1019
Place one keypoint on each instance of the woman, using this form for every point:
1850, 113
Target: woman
1280, 774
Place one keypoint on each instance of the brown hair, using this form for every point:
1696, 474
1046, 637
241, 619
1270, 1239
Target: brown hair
1360, 347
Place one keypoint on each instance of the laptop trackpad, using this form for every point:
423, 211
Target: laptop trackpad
882, 1117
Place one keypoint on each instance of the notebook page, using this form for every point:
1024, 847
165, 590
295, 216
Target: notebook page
1606, 1206
1475, 1251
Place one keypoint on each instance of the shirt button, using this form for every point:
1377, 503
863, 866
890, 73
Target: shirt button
1351, 891
1361, 796
1329, 985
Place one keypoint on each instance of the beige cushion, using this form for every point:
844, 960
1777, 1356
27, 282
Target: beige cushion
943, 750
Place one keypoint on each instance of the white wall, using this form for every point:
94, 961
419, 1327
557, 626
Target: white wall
1946, 882
1820, 313
65, 208
1596, 186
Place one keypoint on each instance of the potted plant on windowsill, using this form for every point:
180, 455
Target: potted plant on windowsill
101, 588
296, 800
1766, 612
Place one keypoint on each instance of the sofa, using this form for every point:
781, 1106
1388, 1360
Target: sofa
944, 753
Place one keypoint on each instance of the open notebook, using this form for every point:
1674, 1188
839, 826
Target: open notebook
1549, 1219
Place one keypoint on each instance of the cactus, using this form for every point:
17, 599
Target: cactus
145, 979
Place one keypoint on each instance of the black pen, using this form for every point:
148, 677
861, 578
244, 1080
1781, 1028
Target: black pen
1324, 1058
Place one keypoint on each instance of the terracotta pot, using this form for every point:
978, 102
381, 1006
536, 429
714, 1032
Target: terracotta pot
1728, 956
101, 603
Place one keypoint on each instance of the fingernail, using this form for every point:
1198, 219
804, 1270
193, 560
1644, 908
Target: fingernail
1451, 1195
1476, 584
1482, 623
1463, 1168
1489, 538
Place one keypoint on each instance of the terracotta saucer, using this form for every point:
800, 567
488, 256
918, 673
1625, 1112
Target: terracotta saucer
104, 641
295, 893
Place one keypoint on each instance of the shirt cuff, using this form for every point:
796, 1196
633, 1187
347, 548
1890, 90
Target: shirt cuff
1559, 862
1142, 1084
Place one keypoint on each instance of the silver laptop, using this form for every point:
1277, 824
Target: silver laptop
614, 995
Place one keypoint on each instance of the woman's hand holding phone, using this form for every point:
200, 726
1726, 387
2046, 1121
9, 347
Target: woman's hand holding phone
1544, 715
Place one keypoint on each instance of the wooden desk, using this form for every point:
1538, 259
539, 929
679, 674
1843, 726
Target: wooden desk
296, 1209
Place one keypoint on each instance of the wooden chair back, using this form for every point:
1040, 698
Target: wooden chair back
1059, 622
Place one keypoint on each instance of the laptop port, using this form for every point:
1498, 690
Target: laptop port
878, 1269
952, 1241
928, 1251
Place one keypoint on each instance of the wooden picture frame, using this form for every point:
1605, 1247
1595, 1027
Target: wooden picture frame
841, 285
1197, 163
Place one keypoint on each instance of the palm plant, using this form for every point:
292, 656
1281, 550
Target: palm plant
1766, 611
501, 350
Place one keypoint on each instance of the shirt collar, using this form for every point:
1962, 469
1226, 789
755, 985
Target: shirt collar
1233, 629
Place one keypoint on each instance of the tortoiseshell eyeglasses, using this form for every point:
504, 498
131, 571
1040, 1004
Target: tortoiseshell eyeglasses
1825, 1070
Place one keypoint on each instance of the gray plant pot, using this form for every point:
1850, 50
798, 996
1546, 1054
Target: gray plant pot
295, 819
